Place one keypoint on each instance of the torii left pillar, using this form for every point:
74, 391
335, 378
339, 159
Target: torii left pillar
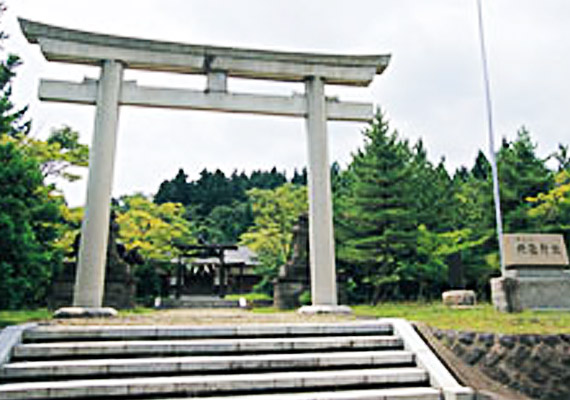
90, 275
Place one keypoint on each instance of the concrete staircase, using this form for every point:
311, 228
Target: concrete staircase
383, 359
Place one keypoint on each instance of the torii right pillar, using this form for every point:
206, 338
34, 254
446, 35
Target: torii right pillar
321, 235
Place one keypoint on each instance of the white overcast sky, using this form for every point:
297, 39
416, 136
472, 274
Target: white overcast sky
432, 88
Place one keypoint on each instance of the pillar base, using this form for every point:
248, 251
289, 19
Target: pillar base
85, 312
324, 309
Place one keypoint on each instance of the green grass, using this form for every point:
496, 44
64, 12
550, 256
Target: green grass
270, 310
136, 311
249, 296
482, 318
20, 317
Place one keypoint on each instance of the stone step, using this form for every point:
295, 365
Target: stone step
210, 364
67, 333
412, 393
201, 346
213, 384
199, 303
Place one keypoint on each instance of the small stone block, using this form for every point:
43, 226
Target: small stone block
85, 312
324, 309
459, 298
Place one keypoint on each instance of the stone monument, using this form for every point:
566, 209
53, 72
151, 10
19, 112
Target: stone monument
537, 274
294, 277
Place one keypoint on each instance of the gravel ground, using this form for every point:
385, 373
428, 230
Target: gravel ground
204, 317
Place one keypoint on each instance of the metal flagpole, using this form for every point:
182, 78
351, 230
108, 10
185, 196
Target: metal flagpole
492, 155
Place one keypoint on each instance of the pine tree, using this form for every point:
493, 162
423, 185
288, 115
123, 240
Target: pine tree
174, 191
12, 121
378, 227
522, 174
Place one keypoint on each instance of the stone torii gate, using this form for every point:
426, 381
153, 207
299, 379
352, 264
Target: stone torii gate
114, 54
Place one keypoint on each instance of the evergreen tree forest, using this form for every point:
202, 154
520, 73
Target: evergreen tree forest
403, 222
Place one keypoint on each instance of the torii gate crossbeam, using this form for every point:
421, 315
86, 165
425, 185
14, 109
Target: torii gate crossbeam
114, 54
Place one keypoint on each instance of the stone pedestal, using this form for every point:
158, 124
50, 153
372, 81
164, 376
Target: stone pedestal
535, 289
536, 274
85, 312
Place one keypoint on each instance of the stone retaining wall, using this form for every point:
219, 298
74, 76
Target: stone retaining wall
536, 365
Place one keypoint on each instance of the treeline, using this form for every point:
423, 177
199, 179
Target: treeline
220, 206
401, 221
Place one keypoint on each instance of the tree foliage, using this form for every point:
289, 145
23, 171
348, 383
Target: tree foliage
379, 225
399, 218
29, 211
27, 230
58, 156
275, 212
153, 229
12, 121
218, 205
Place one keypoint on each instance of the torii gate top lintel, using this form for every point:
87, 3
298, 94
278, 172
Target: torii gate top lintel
74, 46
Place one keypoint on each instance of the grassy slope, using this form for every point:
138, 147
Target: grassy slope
482, 318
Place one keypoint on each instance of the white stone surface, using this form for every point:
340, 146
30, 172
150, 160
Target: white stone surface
531, 293
373, 394
67, 333
210, 383
217, 82
90, 276
72, 46
439, 375
186, 99
324, 309
359, 363
85, 312
179, 347
9, 338
459, 298
321, 238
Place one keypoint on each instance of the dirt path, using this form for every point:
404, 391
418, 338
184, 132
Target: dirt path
204, 317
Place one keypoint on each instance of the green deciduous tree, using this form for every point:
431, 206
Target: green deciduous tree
153, 229
551, 210
275, 212
58, 155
